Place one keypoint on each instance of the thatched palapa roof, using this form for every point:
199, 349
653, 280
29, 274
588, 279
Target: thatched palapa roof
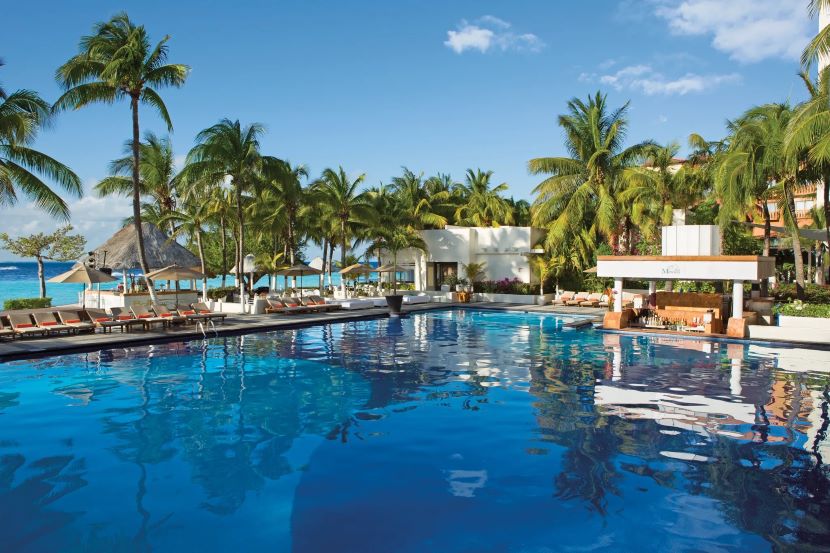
161, 251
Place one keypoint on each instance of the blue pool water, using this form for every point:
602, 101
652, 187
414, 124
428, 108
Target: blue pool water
447, 431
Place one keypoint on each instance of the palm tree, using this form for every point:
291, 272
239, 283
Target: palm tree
190, 220
341, 202
654, 190
483, 206
578, 202
423, 203
22, 114
230, 152
395, 239
521, 212
117, 62
756, 168
289, 187
819, 46
808, 135
156, 169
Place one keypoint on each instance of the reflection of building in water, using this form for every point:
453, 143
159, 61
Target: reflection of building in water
676, 383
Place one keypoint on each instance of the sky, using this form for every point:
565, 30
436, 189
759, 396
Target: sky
431, 85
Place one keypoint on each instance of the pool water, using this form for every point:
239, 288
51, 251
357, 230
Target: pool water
450, 430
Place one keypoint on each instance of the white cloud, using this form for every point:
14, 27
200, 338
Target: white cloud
94, 218
748, 30
488, 33
644, 78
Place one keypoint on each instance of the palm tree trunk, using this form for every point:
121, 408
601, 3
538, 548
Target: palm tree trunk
331, 260
202, 263
41, 277
224, 243
826, 199
799, 260
142, 256
325, 263
241, 242
343, 251
764, 288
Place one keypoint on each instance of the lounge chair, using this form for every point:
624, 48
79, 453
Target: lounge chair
420, 298
563, 298
142, 313
604, 301
352, 305
165, 313
50, 324
318, 304
75, 320
5, 332
577, 299
23, 325
203, 309
107, 322
592, 300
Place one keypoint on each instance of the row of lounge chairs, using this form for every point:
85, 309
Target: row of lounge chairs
582, 299
46, 323
307, 304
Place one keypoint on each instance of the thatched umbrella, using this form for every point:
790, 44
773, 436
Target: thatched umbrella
297, 270
86, 275
161, 251
177, 273
356, 270
391, 268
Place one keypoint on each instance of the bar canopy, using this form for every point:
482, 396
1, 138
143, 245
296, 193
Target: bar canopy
687, 267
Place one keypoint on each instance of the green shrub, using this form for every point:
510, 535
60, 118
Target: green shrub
506, 286
800, 309
220, 293
27, 303
813, 293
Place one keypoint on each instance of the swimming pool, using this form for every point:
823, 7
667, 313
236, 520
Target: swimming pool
449, 430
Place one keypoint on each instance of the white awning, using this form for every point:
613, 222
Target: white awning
720, 267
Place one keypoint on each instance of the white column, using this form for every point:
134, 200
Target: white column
738, 299
735, 377
669, 285
652, 287
618, 294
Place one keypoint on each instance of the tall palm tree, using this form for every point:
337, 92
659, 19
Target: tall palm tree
483, 206
521, 212
808, 135
756, 168
117, 62
190, 220
819, 46
658, 187
157, 172
578, 202
286, 179
229, 151
342, 202
423, 203
22, 114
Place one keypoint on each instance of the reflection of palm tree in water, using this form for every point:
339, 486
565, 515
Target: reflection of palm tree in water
567, 416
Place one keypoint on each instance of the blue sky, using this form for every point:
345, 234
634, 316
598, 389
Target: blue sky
435, 86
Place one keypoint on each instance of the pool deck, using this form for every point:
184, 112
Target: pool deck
240, 324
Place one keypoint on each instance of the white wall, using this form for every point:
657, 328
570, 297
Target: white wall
503, 250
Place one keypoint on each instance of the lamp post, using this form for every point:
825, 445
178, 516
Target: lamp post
248, 266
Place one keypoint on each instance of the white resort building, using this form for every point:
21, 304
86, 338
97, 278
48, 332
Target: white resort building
504, 251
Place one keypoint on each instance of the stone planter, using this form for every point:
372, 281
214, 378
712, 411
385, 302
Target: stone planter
807, 323
524, 299
394, 302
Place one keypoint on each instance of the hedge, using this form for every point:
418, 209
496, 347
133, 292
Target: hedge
800, 309
27, 303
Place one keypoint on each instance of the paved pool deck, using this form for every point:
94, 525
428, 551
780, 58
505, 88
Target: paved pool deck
236, 324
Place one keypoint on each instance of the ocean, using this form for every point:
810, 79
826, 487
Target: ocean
18, 279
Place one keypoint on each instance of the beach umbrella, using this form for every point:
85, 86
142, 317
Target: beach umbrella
177, 273
86, 275
356, 270
592, 270
299, 269
390, 268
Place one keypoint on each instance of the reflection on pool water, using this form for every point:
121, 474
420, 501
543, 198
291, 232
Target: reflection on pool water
453, 430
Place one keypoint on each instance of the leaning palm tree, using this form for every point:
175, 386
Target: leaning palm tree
156, 169
229, 151
655, 189
578, 202
342, 202
286, 181
819, 47
22, 114
117, 62
483, 206
756, 168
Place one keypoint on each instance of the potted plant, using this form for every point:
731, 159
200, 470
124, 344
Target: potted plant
393, 241
473, 273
